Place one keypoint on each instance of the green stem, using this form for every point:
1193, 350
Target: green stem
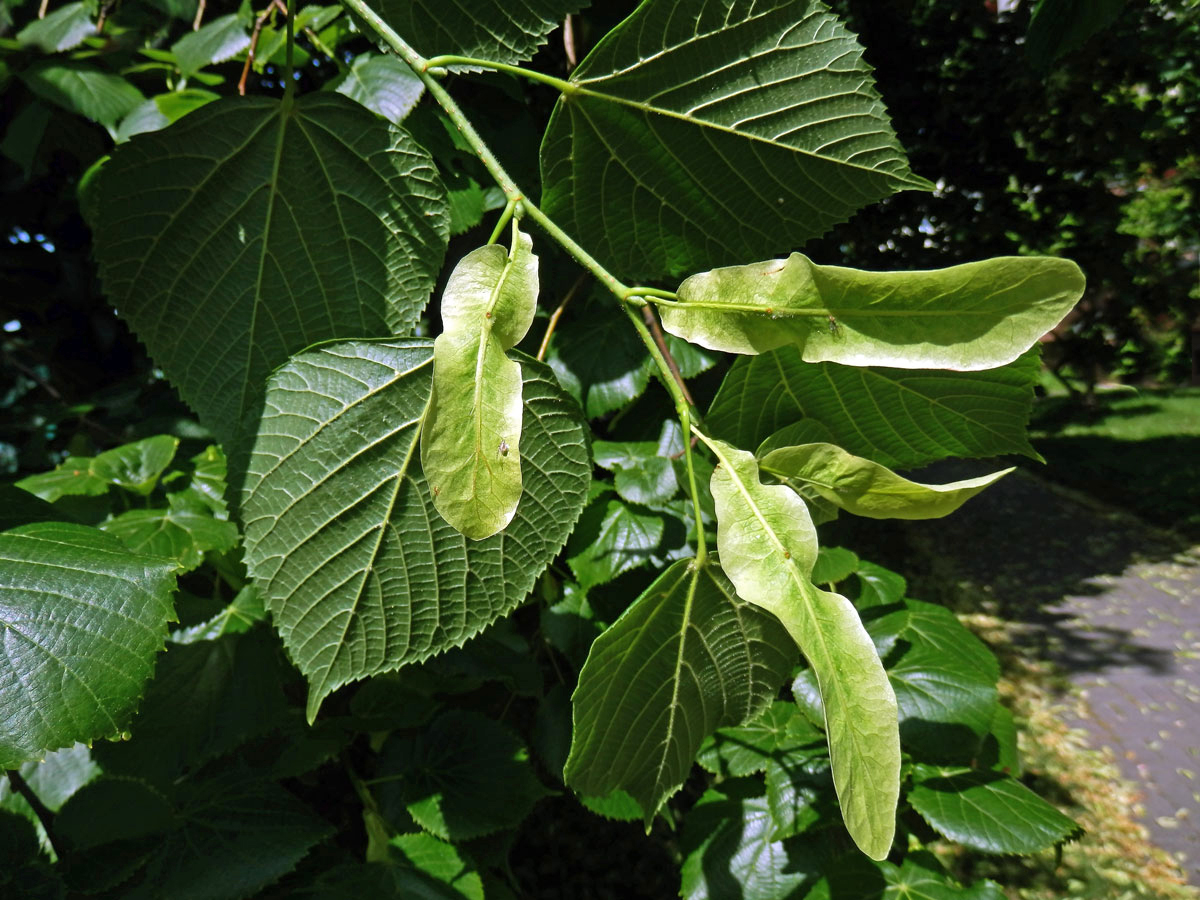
515, 195
640, 291
441, 62
509, 208
291, 40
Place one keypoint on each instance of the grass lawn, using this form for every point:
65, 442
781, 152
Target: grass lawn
1139, 449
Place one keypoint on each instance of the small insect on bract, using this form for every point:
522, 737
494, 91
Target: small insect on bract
503, 448
834, 328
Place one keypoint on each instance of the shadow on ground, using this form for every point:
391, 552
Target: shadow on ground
1015, 551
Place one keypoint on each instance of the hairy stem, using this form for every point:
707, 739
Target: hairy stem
626, 295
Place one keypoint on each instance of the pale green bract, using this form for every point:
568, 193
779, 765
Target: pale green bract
768, 546
973, 316
472, 432
866, 488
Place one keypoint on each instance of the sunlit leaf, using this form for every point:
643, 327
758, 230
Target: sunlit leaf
491, 29
988, 811
471, 436
183, 531
768, 547
612, 538
60, 30
221, 39
81, 619
977, 315
83, 88
160, 111
383, 84
730, 852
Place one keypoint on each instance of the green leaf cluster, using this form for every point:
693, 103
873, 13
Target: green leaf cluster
402, 584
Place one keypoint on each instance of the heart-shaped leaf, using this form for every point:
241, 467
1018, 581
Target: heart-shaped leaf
82, 618
988, 811
360, 572
252, 228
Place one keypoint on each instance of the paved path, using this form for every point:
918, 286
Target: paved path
1116, 604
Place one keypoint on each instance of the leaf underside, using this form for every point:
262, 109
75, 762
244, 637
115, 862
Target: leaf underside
249, 230
488, 29
686, 658
930, 414
361, 573
715, 133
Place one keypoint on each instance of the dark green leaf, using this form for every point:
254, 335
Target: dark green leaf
834, 564
206, 698
878, 586
570, 625
603, 382
799, 793
780, 731
360, 572
1059, 26
920, 877
111, 809
462, 777
944, 679
491, 29
275, 226
82, 619
182, 532
687, 657
641, 473
159, 112
988, 811
900, 418
257, 830
727, 132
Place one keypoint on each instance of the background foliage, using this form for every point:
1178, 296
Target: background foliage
392, 771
